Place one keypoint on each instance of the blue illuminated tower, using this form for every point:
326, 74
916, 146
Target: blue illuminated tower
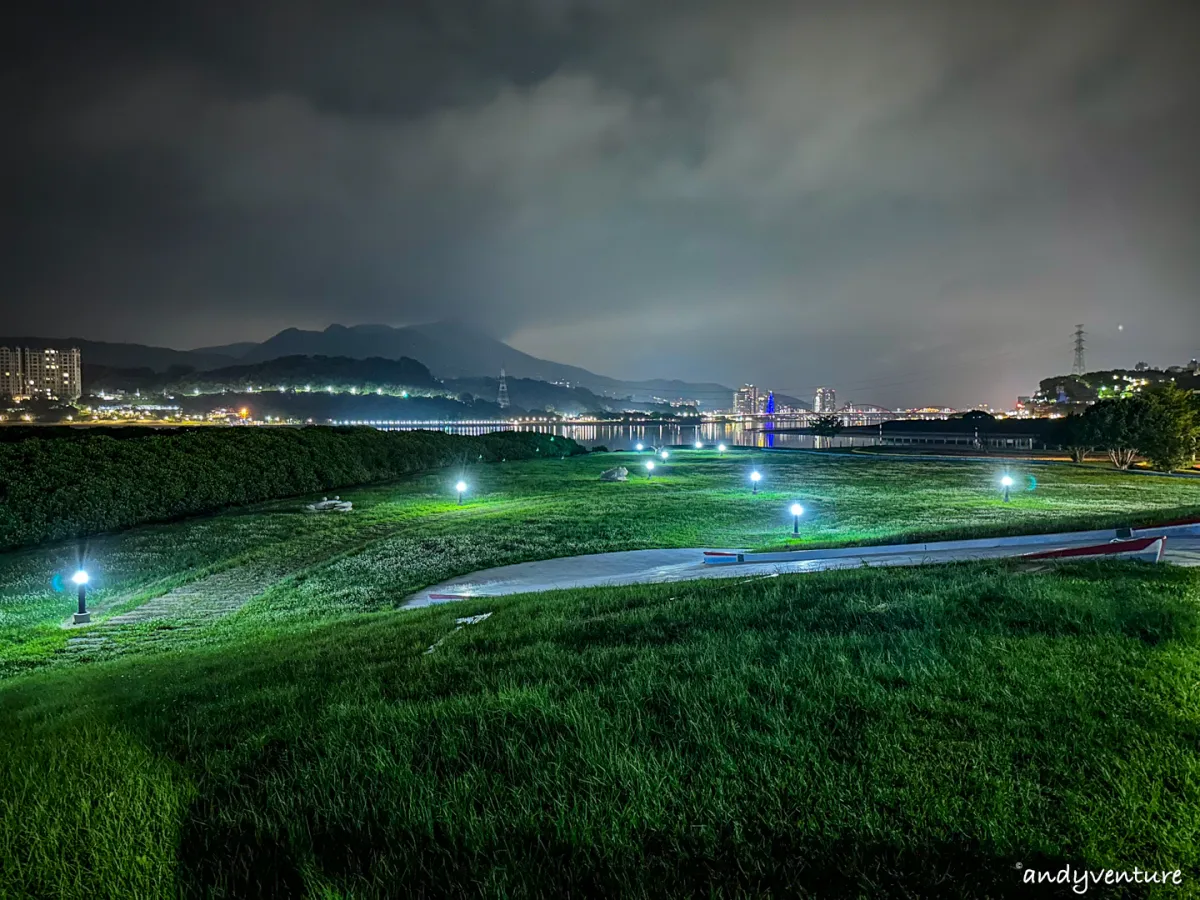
770, 403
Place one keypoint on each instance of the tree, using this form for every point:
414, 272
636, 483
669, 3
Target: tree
827, 426
1117, 426
1078, 435
1169, 427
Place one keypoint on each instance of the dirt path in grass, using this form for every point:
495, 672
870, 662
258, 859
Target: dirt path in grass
182, 609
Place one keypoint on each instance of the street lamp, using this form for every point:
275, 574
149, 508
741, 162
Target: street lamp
1007, 482
649, 468
699, 445
640, 448
797, 512
461, 487
755, 478
720, 448
83, 616
664, 454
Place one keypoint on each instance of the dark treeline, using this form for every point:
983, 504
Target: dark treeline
1161, 424
88, 482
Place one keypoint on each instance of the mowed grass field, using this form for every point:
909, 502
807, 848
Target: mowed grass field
405, 536
854, 733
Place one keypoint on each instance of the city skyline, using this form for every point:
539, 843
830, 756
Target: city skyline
913, 201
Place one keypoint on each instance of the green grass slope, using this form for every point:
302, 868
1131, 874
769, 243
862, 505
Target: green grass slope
903, 733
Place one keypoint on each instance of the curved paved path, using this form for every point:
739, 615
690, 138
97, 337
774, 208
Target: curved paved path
655, 566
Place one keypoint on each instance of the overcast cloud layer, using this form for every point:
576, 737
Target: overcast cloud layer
911, 201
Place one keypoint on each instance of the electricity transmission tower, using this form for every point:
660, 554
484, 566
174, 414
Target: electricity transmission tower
503, 398
1080, 365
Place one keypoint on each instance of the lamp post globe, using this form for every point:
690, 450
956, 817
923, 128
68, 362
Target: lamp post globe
640, 448
664, 454
649, 468
755, 478
720, 448
797, 512
461, 488
82, 617
1007, 483
699, 445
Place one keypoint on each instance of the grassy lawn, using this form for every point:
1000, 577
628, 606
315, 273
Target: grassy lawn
906, 733
410, 534
853, 733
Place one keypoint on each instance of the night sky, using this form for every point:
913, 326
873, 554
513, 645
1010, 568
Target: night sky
911, 201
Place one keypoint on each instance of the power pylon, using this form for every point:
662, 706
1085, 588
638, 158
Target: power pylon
503, 397
1080, 365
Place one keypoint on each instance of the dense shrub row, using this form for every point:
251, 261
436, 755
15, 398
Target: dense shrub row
52, 489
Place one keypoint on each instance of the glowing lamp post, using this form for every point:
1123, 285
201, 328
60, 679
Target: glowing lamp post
83, 616
699, 445
1007, 483
797, 512
664, 454
755, 478
649, 468
720, 448
640, 448
461, 487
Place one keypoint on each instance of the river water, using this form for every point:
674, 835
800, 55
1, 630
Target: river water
626, 437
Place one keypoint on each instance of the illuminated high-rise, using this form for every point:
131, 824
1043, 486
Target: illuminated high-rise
825, 400
26, 372
745, 400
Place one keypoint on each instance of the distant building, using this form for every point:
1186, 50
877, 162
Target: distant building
745, 400
825, 401
26, 372
11, 383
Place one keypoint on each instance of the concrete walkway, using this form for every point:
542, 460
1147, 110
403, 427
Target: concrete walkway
659, 566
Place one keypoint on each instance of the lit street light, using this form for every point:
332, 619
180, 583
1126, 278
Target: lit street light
649, 468
664, 454
640, 448
1007, 482
83, 616
699, 445
797, 512
755, 478
720, 448
461, 487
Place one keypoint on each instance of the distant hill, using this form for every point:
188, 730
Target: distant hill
450, 350
457, 350
339, 372
126, 356
233, 351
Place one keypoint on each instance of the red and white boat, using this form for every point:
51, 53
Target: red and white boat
1147, 549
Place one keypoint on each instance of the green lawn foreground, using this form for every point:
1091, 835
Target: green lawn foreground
874, 733
404, 536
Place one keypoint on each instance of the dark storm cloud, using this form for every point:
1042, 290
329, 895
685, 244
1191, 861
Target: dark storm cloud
909, 200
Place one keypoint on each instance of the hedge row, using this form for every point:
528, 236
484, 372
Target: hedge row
52, 489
